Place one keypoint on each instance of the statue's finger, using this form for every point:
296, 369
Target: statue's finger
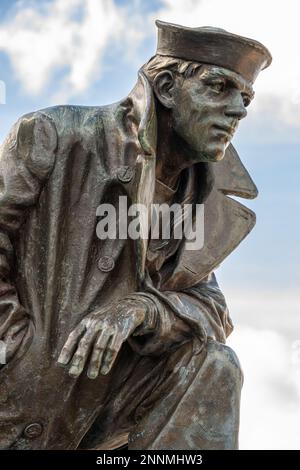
80, 357
111, 353
71, 344
100, 346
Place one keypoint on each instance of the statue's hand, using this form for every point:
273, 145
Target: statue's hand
99, 337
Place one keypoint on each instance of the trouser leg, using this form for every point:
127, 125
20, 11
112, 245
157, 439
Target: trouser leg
178, 401
196, 406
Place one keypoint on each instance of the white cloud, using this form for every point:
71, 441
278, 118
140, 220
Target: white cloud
264, 308
270, 410
65, 36
70, 38
267, 340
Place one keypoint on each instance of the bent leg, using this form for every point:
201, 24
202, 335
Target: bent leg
197, 406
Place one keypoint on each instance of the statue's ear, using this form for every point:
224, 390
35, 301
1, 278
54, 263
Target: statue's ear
163, 87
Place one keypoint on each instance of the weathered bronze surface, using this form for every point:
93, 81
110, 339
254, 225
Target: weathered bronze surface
117, 340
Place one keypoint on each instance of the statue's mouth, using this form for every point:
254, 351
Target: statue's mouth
224, 129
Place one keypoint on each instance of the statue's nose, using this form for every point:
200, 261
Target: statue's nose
236, 107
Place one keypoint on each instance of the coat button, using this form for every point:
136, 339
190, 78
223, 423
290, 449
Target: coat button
106, 264
125, 174
33, 430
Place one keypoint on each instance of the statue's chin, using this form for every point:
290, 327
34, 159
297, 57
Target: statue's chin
215, 153
218, 157
195, 151
210, 156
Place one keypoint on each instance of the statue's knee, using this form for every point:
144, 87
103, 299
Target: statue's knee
225, 360
217, 364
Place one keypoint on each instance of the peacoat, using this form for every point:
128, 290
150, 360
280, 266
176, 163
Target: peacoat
57, 165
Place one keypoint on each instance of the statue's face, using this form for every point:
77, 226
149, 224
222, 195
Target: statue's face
207, 108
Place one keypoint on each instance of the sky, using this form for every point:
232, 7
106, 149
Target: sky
88, 52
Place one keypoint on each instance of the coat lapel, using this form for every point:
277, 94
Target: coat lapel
144, 184
226, 222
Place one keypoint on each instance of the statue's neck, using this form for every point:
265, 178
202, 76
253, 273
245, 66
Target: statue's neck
172, 154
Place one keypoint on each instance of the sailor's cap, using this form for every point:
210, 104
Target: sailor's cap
213, 46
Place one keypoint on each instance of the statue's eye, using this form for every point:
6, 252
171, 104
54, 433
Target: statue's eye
218, 86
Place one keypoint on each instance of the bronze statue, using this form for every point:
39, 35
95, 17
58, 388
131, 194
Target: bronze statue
119, 340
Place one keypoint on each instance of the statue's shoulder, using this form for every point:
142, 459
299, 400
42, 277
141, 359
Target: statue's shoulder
67, 125
74, 123
72, 116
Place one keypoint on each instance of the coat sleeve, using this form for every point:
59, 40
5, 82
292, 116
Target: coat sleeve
26, 160
176, 317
